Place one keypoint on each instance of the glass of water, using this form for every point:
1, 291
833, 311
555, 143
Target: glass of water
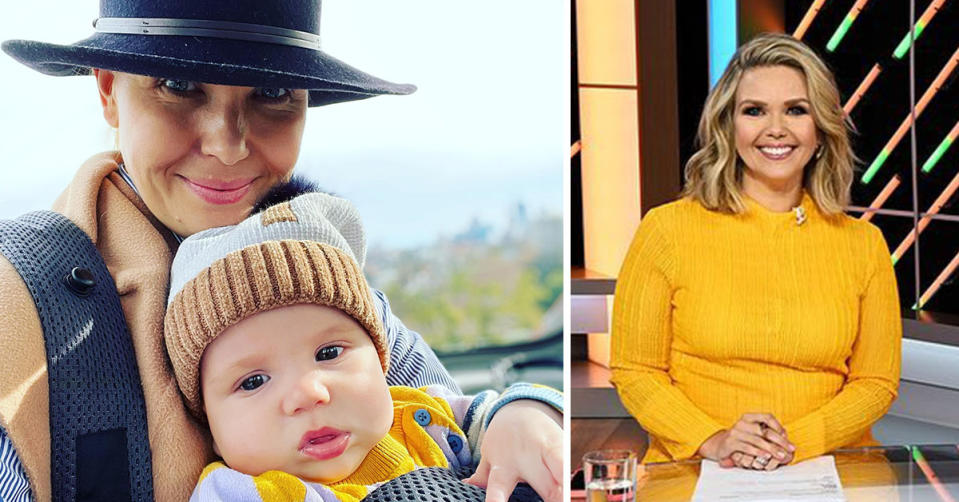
610, 475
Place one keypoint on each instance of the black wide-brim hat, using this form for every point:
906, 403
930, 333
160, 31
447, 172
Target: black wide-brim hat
273, 43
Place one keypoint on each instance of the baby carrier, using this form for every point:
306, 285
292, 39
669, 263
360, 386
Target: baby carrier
97, 415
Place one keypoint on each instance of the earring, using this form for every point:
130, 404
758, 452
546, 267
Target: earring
819, 151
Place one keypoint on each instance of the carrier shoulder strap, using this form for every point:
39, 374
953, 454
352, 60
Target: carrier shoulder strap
98, 430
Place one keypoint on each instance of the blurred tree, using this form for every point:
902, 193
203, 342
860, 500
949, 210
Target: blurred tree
466, 293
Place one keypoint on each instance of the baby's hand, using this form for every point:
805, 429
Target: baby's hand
524, 442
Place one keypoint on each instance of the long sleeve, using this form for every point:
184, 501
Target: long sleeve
717, 315
873, 378
412, 362
474, 413
641, 342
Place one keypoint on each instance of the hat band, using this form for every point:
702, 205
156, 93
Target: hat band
205, 28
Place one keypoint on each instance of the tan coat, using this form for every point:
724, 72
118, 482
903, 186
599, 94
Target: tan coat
137, 250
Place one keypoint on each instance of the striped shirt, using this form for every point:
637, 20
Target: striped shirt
412, 362
13, 480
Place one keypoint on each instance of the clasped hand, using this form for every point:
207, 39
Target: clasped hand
757, 441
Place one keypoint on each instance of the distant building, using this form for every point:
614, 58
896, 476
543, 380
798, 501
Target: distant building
477, 233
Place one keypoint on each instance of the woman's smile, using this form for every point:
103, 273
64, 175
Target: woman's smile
219, 192
776, 152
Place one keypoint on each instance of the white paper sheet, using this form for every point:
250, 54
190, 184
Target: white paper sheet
813, 480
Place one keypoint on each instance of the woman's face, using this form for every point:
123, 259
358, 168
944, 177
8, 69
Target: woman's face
775, 132
202, 154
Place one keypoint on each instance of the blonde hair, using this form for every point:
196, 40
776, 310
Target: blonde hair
714, 173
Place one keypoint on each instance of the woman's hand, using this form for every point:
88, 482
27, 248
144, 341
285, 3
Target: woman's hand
524, 442
756, 441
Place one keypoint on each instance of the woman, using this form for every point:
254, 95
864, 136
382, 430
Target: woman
217, 122
754, 323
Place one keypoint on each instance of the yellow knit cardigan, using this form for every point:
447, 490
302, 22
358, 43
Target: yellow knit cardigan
717, 315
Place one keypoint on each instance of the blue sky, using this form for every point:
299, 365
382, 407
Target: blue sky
488, 126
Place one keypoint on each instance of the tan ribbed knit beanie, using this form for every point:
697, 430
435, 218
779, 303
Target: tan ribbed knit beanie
308, 250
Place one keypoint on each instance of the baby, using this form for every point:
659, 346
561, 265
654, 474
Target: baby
276, 342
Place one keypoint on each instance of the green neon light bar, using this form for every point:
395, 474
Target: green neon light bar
906, 42
921, 24
874, 167
936, 155
941, 149
839, 34
845, 25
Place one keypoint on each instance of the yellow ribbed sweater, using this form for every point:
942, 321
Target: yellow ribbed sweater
717, 315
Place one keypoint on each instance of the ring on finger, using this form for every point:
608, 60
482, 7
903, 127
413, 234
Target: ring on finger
762, 460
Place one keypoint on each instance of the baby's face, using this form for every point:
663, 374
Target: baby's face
298, 389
